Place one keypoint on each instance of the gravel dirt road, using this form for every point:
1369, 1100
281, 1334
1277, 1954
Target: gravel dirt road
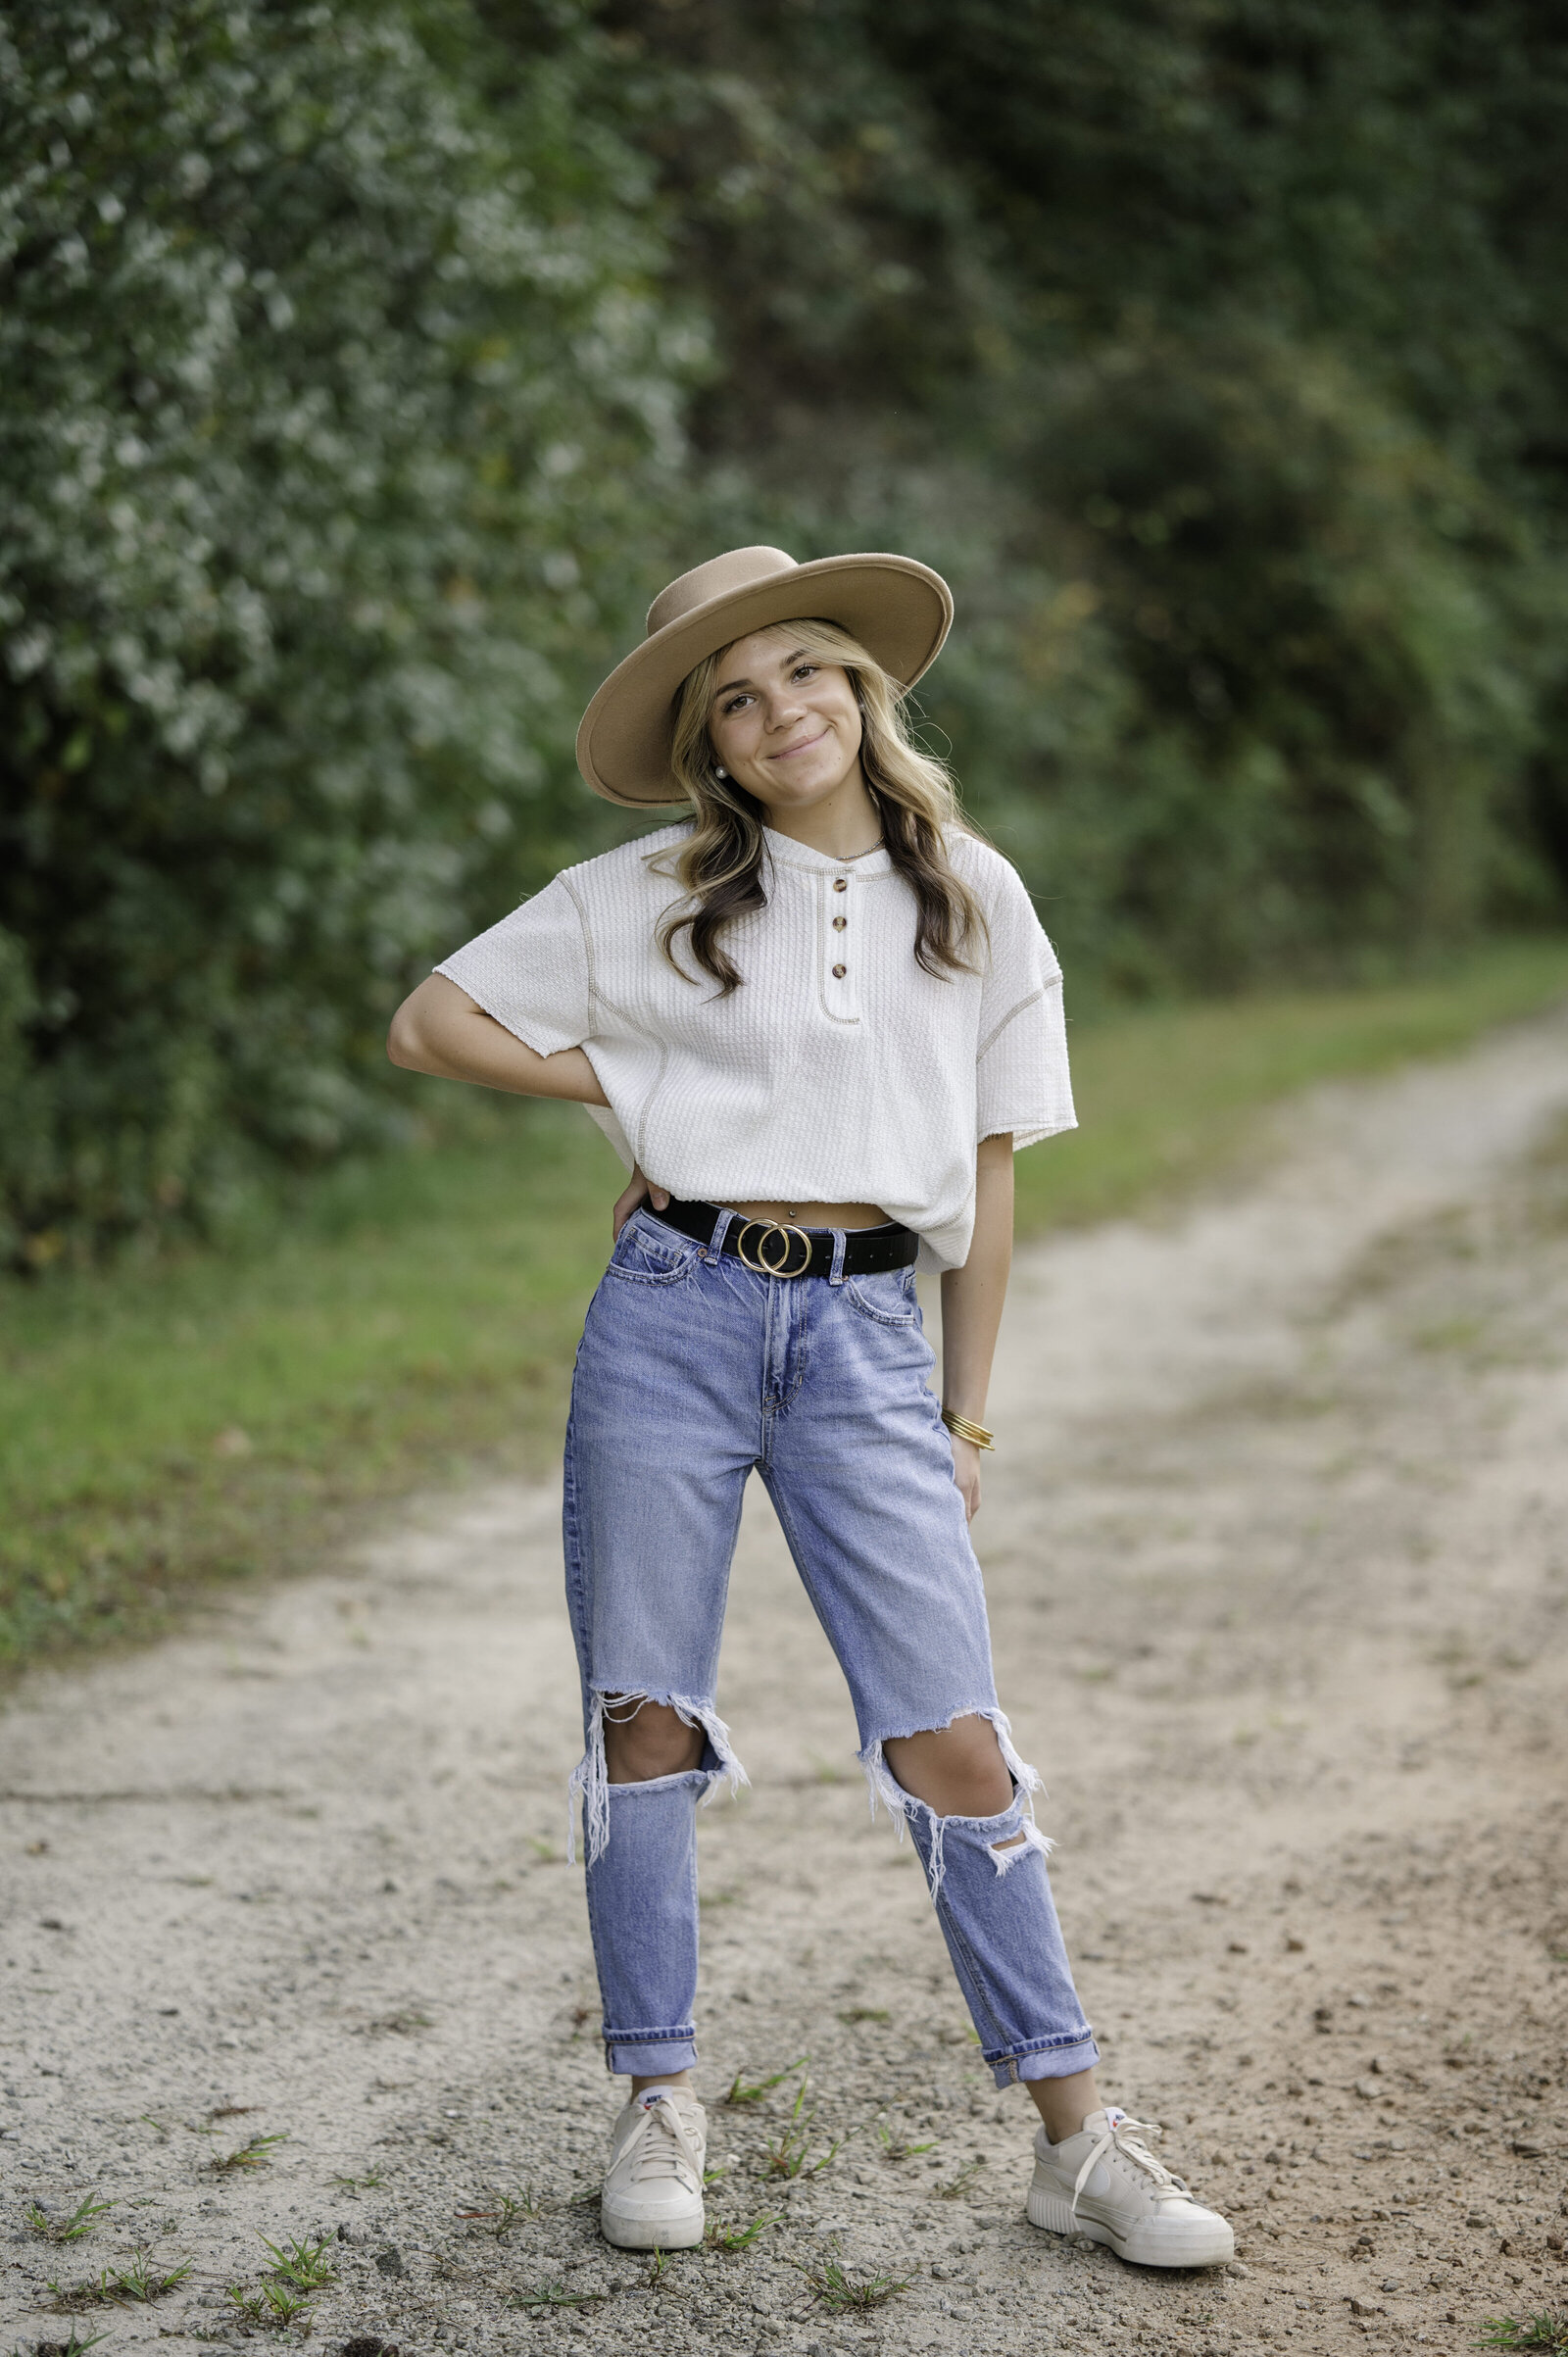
1278, 1558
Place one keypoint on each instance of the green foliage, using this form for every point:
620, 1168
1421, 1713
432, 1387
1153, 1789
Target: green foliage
1204, 350
1544, 2332
404, 1319
81, 2220
329, 414
367, 367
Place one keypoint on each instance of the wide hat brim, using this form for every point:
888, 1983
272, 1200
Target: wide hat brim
898, 608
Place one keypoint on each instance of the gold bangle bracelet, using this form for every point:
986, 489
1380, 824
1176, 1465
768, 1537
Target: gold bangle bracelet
962, 1430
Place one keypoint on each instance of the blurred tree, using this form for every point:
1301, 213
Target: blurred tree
366, 367
1216, 352
330, 420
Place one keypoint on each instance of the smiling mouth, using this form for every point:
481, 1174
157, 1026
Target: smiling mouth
790, 750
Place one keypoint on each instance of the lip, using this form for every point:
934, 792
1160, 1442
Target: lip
790, 750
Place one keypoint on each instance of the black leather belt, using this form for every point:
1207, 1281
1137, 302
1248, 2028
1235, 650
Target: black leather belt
774, 1249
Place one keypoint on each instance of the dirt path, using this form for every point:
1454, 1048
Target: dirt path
1279, 1572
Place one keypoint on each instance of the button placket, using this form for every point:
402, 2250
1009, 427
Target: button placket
839, 959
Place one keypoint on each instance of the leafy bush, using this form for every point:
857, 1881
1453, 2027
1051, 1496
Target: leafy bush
1214, 353
329, 421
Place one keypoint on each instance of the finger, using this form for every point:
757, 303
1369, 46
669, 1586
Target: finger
658, 1198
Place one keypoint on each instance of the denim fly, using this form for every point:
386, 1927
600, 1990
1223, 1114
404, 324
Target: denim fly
692, 1372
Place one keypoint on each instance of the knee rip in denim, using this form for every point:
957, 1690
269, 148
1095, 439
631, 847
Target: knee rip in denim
1015, 1821
590, 1779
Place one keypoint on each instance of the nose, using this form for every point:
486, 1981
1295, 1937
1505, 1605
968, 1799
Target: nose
785, 706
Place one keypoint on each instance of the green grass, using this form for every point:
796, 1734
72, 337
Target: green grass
1170, 1095
218, 1415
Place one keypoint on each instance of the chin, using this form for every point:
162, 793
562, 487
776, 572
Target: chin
799, 793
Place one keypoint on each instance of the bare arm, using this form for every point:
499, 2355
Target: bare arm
439, 1029
971, 1306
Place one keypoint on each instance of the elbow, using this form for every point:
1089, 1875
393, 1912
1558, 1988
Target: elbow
402, 1044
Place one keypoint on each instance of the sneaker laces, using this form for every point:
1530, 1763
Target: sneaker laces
1121, 2134
659, 2146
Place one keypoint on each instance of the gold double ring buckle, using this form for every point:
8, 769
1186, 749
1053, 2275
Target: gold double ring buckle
768, 1229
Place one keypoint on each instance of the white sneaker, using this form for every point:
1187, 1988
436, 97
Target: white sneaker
1104, 2182
653, 2198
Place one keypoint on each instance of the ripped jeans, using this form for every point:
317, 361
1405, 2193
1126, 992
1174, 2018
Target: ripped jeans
692, 1370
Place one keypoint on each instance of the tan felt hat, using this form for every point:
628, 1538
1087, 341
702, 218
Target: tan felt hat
900, 611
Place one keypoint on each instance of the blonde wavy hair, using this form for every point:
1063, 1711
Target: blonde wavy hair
719, 864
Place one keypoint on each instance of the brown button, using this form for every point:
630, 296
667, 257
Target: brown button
838, 973
841, 883
839, 923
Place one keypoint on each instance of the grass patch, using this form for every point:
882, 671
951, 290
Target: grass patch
733, 2239
254, 2153
958, 2187
216, 1415
739, 2094
272, 2305
788, 2157
1540, 2332
510, 2207
547, 2297
122, 2287
81, 2220
852, 2295
1168, 1095
304, 2264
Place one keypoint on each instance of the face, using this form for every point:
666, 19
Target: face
785, 725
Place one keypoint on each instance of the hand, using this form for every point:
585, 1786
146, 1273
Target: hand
637, 1192
966, 1473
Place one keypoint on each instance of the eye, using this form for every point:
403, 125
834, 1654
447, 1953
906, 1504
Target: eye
805, 671
734, 705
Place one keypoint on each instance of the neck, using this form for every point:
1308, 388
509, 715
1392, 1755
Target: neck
840, 825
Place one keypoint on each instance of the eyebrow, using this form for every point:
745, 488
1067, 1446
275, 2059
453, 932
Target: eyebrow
731, 684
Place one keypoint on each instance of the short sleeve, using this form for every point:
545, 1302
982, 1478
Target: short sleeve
1022, 1078
532, 972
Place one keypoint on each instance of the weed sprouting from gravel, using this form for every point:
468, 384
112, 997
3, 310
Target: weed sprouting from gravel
739, 2096
403, 2023
956, 2187
361, 2184
81, 2220
740, 2238
301, 2264
545, 2296
787, 2155
899, 2149
273, 2305
120, 2287
847, 2294
513, 2206
1546, 2333
254, 2153
74, 2346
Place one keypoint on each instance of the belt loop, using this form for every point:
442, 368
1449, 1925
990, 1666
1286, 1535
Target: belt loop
836, 1273
721, 1228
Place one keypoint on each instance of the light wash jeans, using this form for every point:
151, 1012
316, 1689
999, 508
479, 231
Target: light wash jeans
691, 1371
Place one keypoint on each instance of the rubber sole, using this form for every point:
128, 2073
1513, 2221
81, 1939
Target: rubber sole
1052, 2213
647, 2234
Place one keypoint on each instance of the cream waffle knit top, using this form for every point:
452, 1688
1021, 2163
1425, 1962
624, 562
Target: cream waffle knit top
840, 1072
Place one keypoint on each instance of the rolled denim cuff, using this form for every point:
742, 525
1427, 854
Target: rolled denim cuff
645, 2057
1047, 2062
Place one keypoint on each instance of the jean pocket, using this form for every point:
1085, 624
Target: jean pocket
889, 1296
647, 1254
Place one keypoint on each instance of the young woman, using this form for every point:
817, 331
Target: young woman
816, 1019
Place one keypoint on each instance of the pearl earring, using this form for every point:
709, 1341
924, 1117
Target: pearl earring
719, 769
